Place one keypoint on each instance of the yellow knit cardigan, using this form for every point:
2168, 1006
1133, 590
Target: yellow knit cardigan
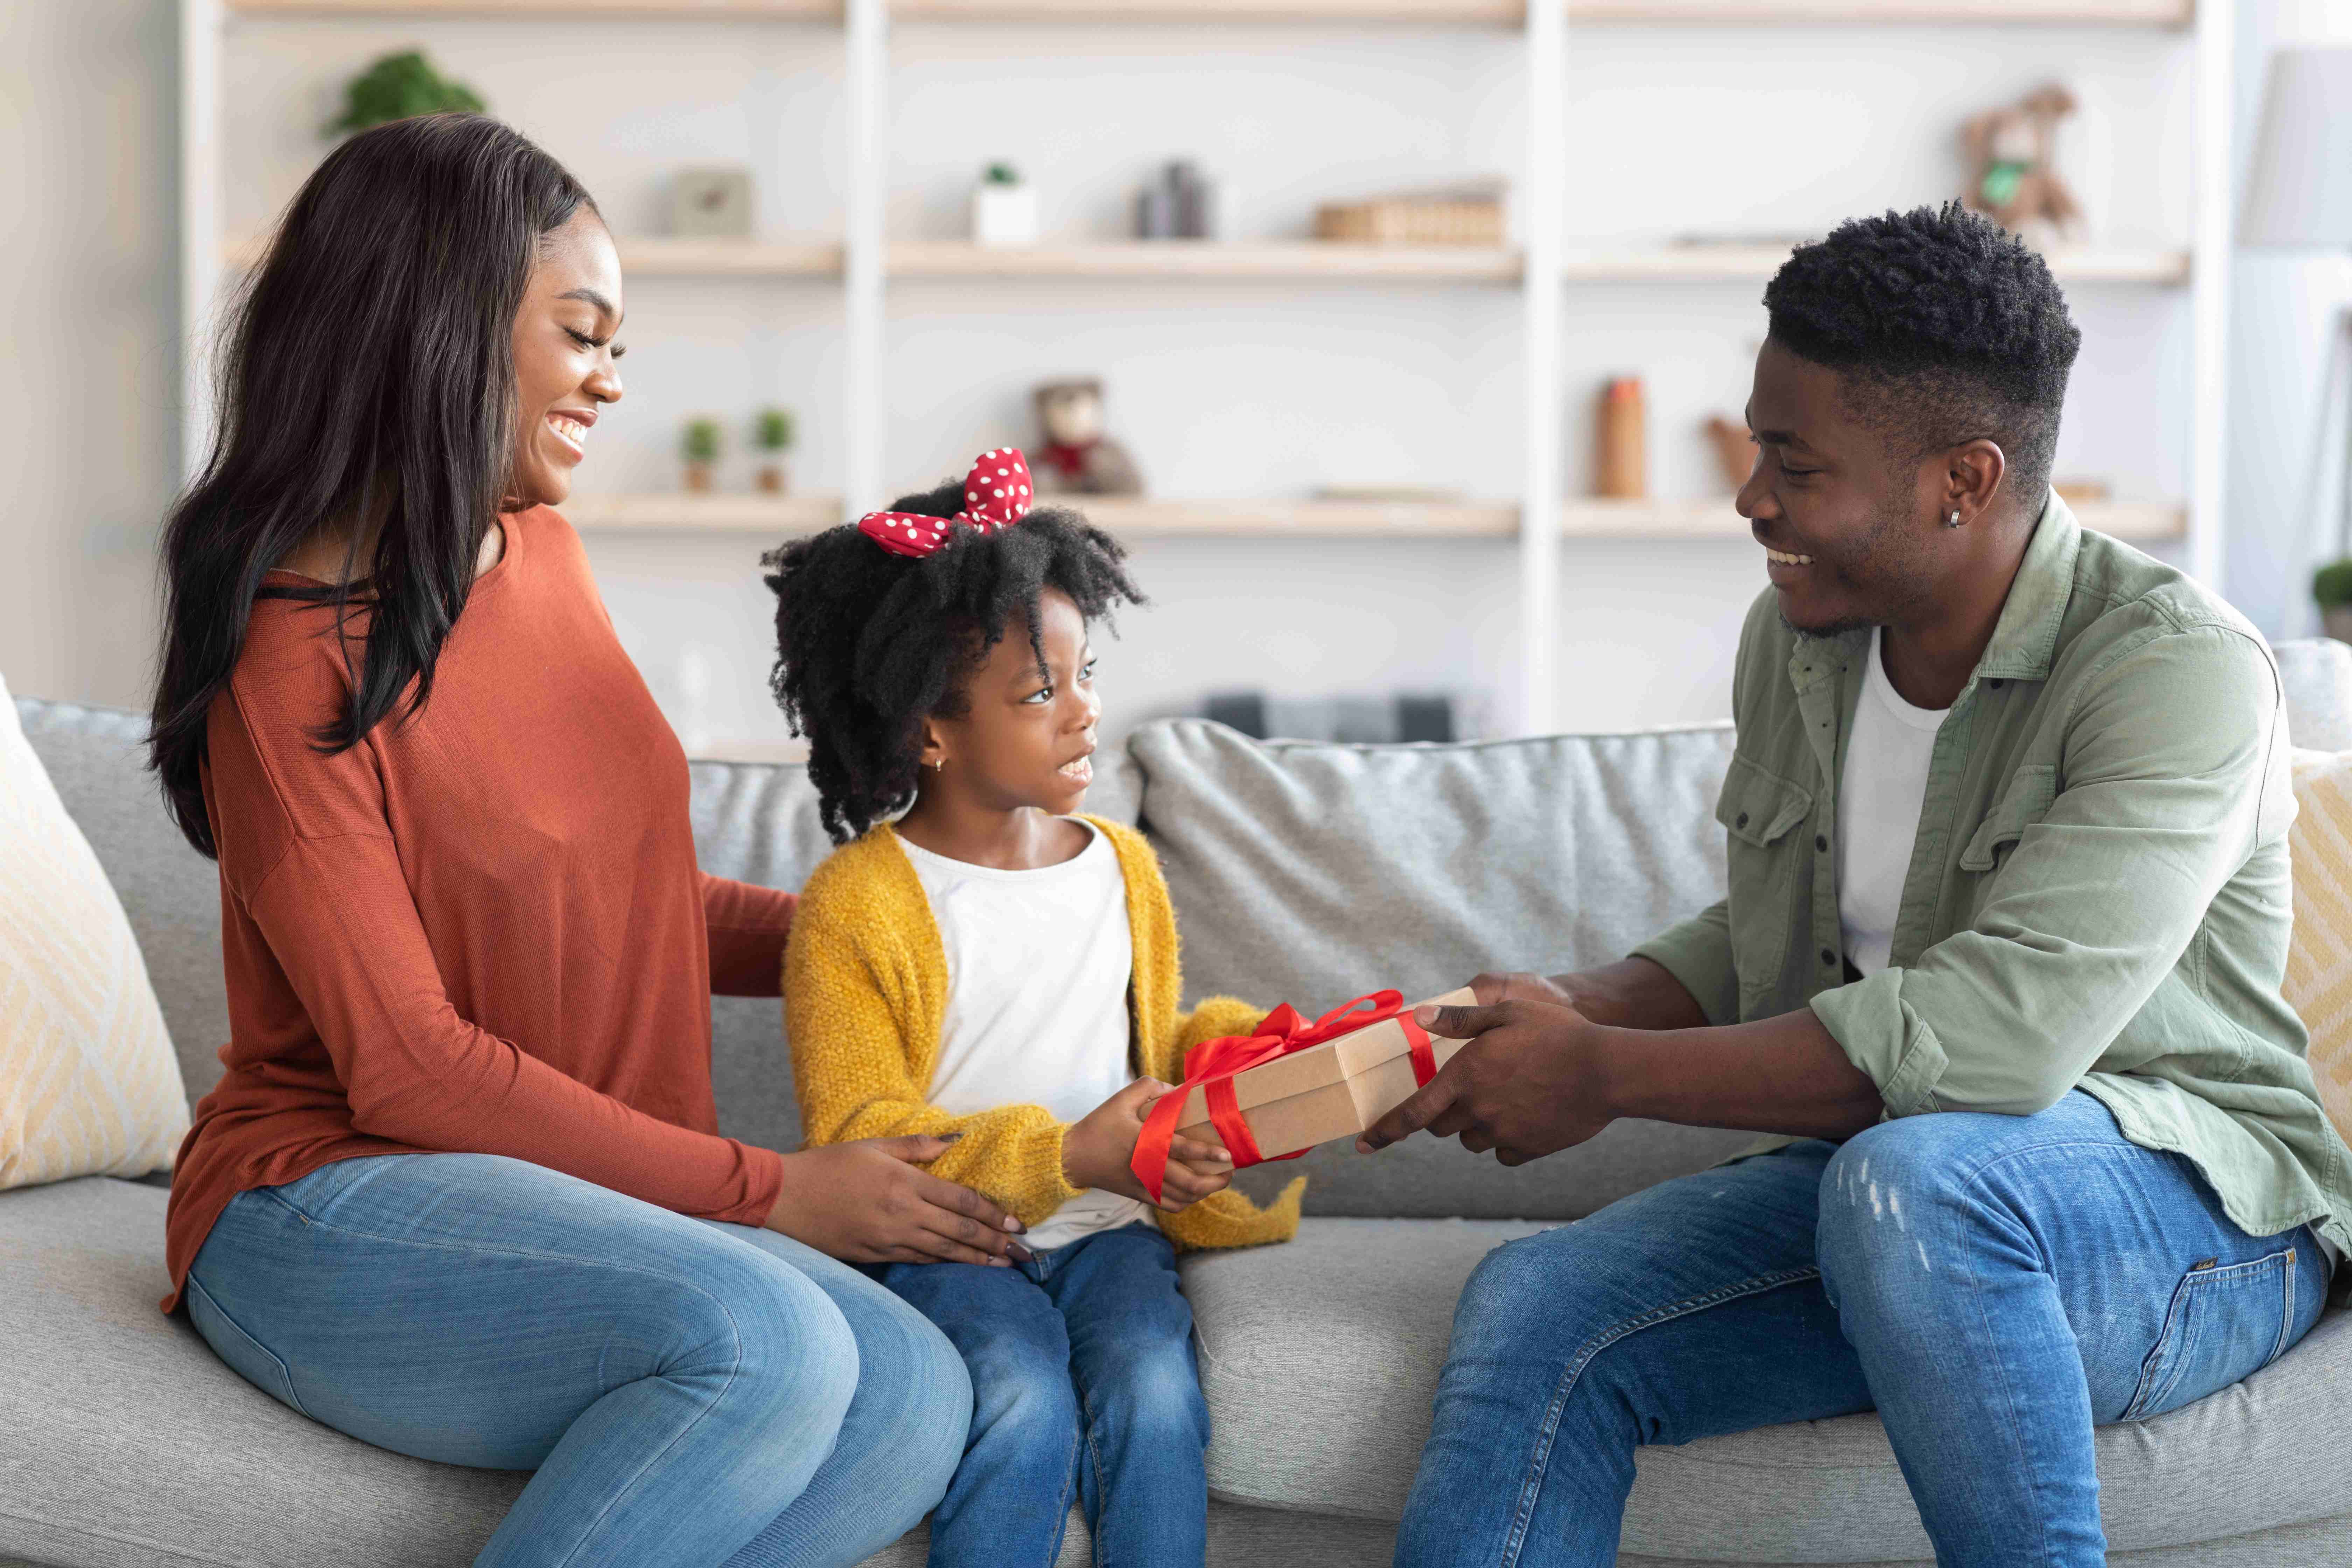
865, 986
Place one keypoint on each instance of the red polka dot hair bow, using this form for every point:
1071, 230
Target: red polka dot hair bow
996, 495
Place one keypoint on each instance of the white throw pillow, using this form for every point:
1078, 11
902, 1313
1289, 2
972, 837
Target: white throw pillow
89, 1085
2319, 960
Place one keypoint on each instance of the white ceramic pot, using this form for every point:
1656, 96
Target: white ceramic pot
1003, 214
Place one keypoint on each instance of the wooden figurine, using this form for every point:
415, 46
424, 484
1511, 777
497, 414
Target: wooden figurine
1075, 457
1735, 454
1622, 451
2017, 184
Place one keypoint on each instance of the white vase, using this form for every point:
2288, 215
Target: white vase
1003, 214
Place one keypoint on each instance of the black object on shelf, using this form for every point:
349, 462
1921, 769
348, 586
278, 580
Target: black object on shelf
1361, 721
1179, 204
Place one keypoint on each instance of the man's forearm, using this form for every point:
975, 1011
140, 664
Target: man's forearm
1632, 994
1776, 1075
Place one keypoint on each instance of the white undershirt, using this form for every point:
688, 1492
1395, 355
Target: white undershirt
1039, 965
1879, 796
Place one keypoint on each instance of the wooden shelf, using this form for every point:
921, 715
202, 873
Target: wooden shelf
713, 512
1135, 517
1437, 12
1712, 518
659, 255
568, 10
655, 256
662, 256
1513, 12
1757, 263
1138, 517
1875, 12
1208, 260
1428, 13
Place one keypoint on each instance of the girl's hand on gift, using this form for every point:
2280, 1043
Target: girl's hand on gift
869, 1202
1099, 1151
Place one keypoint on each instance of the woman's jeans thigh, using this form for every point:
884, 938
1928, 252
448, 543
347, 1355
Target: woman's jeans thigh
686, 1392
1993, 1285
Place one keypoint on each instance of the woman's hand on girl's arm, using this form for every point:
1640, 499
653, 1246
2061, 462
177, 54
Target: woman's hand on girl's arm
1099, 1151
869, 1202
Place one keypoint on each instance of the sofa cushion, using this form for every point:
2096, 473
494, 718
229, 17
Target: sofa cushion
1308, 873
2317, 675
125, 1443
92, 1087
1320, 1359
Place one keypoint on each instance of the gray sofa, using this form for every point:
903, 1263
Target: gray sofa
1305, 873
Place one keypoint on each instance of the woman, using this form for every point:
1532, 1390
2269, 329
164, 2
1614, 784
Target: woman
461, 1193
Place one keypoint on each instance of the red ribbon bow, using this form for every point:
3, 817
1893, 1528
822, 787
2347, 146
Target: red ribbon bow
997, 494
1212, 1063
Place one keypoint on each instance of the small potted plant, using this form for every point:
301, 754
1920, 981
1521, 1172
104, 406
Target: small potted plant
771, 432
701, 450
2332, 586
1003, 208
399, 86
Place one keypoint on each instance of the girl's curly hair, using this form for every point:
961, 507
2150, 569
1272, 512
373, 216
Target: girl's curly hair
868, 644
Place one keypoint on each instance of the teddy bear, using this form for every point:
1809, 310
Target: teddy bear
2017, 184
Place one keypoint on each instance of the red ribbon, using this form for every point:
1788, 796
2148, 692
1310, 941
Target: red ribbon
1211, 1064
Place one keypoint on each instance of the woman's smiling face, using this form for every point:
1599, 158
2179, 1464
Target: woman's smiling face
564, 356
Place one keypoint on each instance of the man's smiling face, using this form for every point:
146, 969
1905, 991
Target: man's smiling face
1848, 524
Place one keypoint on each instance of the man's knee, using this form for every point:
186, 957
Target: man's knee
1535, 1301
1896, 1204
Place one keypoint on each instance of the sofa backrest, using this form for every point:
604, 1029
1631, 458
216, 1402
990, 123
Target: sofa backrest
1301, 872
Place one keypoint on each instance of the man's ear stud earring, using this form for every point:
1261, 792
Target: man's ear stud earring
1953, 520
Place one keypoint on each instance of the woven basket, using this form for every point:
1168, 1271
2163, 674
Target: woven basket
1412, 223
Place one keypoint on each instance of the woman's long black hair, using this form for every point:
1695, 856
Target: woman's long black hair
368, 372
868, 644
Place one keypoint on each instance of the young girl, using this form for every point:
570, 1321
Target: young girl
996, 970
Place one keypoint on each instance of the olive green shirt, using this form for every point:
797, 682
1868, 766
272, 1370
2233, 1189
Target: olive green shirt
2098, 896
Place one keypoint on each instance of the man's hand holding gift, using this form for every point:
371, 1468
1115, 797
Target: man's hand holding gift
1532, 1080
1099, 1150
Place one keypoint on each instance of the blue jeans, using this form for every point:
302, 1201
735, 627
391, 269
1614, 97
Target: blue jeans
1082, 1377
688, 1392
1994, 1285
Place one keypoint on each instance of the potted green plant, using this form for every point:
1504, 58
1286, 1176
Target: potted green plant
399, 86
701, 449
1003, 208
2332, 586
771, 432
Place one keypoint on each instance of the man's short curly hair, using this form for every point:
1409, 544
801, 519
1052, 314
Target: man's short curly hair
868, 644
1945, 327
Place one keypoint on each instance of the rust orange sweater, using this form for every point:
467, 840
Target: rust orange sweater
481, 931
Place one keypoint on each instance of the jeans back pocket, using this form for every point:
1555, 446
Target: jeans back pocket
2225, 1323
246, 1356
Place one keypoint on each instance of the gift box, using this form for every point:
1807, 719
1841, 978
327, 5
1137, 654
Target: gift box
1293, 1084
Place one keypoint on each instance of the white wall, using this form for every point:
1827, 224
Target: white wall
89, 401
2284, 306
1249, 390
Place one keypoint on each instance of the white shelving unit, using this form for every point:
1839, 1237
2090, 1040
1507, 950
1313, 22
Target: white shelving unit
1542, 267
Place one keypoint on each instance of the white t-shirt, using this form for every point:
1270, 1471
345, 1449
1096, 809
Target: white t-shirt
1879, 796
1039, 965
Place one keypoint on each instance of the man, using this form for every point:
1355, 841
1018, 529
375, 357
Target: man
2001, 961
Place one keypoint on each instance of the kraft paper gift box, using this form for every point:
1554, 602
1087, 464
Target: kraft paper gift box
1335, 1090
